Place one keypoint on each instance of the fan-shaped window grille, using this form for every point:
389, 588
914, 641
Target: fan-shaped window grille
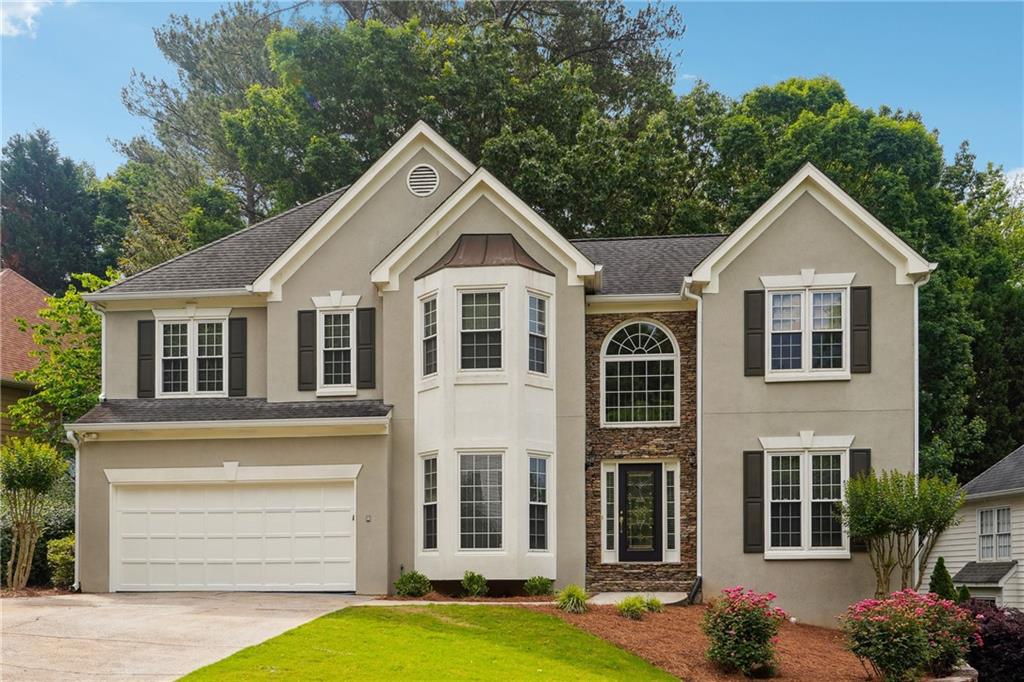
423, 180
640, 377
640, 338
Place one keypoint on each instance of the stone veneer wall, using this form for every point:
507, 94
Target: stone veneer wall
643, 443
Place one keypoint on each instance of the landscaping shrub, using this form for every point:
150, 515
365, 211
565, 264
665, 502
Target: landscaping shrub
941, 582
963, 595
538, 585
742, 626
909, 633
572, 599
60, 555
999, 657
412, 584
633, 607
474, 584
654, 605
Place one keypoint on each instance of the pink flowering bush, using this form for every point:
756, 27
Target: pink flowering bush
742, 626
909, 633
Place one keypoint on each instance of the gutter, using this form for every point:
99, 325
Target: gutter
179, 293
688, 293
100, 427
73, 440
995, 493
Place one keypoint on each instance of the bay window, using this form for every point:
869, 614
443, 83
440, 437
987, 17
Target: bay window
538, 503
480, 330
480, 495
538, 334
430, 503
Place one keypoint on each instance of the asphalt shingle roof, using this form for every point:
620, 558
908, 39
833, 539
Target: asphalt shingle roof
232, 261
128, 411
647, 265
1006, 474
983, 572
19, 298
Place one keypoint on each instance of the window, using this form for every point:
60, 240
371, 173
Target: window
639, 376
481, 330
538, 358
192, 357
480, 501
430, 503
336, 343
803, 496
609, 509
994, 533
796, 316
429, 336
538, 503
670, 509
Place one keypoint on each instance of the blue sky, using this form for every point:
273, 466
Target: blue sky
960, 64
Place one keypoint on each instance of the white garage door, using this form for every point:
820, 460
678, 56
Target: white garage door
236, 536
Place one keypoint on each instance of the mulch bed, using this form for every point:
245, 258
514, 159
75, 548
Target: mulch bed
33, 592
673, 642
437, 596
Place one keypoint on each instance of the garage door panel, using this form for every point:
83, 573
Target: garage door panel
234, 536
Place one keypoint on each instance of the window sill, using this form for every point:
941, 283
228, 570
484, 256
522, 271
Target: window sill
218, 394
779, 377
639, 425
806, 554
539, 380
481, 377
335, 392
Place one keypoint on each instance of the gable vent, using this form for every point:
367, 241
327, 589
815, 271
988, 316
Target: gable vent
423, 180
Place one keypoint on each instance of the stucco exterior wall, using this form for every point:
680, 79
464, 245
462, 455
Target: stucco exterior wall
876, 408
371, 489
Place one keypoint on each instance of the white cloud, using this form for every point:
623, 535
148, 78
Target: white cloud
689, 76
1015, 175
19, 18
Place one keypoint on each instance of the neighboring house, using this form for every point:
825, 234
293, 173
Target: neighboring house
986, 549
418, 372
19, 298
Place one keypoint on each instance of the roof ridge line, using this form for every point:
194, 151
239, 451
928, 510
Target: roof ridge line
648, 236
222, 239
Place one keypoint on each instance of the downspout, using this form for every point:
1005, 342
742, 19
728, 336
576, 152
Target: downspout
77, 444
916, 578
688, 293
103, 350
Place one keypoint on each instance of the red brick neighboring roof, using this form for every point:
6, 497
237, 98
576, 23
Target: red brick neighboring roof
18, 298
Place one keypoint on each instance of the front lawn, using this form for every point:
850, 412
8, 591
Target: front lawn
433, 642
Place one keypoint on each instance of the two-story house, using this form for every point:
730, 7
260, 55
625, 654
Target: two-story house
419, 372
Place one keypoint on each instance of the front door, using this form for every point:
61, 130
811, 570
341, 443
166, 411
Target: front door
640, 512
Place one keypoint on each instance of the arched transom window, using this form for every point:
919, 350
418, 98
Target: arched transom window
640, 375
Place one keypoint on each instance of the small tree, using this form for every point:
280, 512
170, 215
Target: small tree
28, 471
941, 582
963, 595
899, 517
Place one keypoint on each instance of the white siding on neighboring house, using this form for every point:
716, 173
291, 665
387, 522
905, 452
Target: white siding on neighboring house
959, 545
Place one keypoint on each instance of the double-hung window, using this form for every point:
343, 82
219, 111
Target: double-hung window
430, 503
192, 356
994, 534
337, 339
804, 491
538, 503
430, 336
480, 330
538, 341
807, 332
480, 494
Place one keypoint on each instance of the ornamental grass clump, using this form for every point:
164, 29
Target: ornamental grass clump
573, 599
742, 626
909, 633
633, 607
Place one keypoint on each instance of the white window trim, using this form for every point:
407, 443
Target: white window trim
661, 356
548, 501
421, 496
531, 293
995, 533
459, 293
457, 516
190, 316
611, 556
432, 296
807, 284
805, 454
323, 389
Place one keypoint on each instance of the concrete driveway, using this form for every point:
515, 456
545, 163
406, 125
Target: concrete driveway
158, 636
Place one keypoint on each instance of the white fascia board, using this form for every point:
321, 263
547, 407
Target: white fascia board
178, 293
910, 265
100, 427
418, 137
995, 493
386, 274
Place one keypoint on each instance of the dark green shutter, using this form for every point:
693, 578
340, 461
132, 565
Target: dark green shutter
307, 350
753, 333
753, 502
365, 348
146, 367
237, 332
860, 330
860, 465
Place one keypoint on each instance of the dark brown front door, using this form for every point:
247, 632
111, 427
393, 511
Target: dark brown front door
640, 512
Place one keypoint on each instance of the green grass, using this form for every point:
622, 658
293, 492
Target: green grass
433, 642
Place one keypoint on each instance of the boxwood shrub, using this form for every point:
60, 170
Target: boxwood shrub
412, 584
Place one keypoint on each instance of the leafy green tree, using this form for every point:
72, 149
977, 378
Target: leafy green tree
67, 376
941, 582
48, 210
214, 214
28, 471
